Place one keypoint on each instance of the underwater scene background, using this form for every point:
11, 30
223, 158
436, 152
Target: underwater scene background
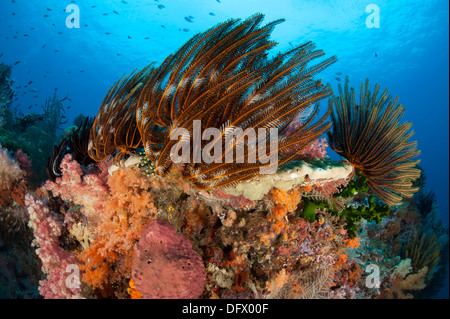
60, 210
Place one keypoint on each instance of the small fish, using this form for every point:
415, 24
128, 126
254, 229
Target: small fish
376, 55
129, 37
29, 82
338, 73
187, 19
32, 28
105, 14
25, 35
212, 14
191, 17
107, 33
338, 79
93, 6
186, 30
46, 15
85, 25
13, 13
124, 2
118, 54
17, 62
160, 6
56, 51
68, 107
15, 37
82, 71
33, 90
163, 26
116, 12
60, 32
218, 1
290, 43
146, 38
30, 106
48, 9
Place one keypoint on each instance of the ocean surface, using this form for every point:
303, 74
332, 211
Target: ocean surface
408, 52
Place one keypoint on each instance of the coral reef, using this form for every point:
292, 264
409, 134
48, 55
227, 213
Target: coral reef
117, 218
35, 134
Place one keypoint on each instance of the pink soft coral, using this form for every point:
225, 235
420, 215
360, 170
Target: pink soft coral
89, 191
53, 257
317, 149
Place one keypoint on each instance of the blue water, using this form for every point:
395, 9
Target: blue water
408, 53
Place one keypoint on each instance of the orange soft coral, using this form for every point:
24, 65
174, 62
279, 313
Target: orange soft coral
352, 243
133, 292
289, 200
126, 211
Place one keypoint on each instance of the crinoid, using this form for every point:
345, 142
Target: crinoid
54, 161
368, 134
76, 144
79, 140
222, 81
424, 250
114, 127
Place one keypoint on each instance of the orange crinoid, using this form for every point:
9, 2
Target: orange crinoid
223, 79
368, 134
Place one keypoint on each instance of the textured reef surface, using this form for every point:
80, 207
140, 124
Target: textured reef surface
117, 217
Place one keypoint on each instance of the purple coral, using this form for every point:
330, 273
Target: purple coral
165, 266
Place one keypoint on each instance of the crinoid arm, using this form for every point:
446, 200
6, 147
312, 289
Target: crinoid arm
114, 127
